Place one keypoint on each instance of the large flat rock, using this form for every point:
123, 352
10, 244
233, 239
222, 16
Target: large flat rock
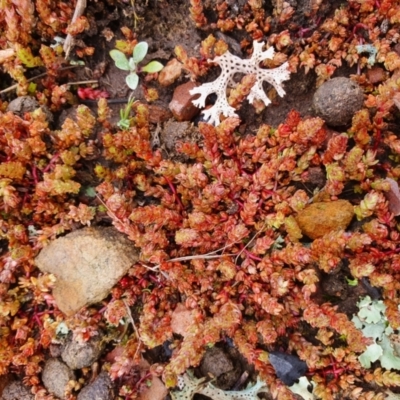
87, 264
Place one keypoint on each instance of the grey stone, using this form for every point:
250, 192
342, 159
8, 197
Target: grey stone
337, 100
26, 104
82, 354
55, 377
17, 391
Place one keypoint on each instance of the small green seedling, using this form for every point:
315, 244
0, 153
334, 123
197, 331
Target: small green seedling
125, 121
139, 53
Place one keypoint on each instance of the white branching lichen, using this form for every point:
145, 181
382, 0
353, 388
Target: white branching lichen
230, 65
189, 386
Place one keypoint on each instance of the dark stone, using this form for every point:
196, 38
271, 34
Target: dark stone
218, 364
288, 368
100, 389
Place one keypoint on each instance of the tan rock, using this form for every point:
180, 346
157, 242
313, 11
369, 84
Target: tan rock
170, 73
87, 264
182, 319
155, 391
318, 219
181, 104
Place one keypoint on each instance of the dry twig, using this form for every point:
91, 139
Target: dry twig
69, 40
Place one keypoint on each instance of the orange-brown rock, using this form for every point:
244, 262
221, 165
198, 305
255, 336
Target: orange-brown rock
376, 75
181, 104
318, 219
158, 114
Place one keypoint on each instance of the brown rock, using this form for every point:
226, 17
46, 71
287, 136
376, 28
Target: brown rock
318, 219
220, 365
376, 75
158, 114
28, 104
393, 197
170, 73
181, 104
156, 390
87, 264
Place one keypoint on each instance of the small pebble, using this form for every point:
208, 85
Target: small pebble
16, 390
55, 377
78, 355
28, 104
376, 75
181, 104
337, 100
100, 389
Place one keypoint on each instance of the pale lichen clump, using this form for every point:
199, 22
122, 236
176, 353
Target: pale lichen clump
230, 65
189, 386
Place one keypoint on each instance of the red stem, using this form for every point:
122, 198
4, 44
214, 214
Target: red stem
249, 254
34, 175
51, 162
173, 190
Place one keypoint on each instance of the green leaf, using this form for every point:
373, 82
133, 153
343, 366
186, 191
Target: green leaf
352, 282
89, 191
62, 329
120, 59
32, 88
153, 66
132, 65
139, 52
132, 81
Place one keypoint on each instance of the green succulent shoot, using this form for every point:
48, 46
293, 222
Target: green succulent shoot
131, 64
